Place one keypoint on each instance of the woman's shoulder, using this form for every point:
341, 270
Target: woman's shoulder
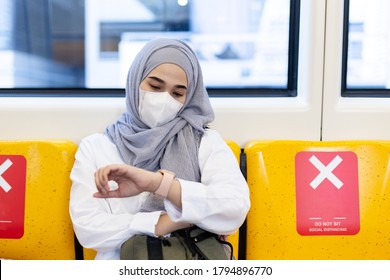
212, 138
211, 135
96, 139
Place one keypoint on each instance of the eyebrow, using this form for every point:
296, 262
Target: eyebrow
157, 79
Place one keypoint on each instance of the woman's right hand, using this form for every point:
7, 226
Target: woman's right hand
131, 181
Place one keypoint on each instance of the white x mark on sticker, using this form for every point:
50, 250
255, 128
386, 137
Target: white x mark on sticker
3, 167
326, 172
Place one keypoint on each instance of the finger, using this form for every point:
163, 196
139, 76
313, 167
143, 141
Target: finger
109, 194
116, 172
101, 181
98, 180
99, 195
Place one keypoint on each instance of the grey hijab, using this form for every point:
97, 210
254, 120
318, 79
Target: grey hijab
173, 146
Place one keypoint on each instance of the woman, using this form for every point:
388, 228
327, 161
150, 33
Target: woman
123, 182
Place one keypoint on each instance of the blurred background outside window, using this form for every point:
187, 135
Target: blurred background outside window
368, 63
91, 43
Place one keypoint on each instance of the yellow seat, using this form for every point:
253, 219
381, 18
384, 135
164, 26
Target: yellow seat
293, 181
34, 194
89, 254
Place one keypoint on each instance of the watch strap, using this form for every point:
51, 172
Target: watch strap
166, 183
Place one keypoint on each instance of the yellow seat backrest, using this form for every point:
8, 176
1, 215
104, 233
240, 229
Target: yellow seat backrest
90, 254
293, 194
34, 199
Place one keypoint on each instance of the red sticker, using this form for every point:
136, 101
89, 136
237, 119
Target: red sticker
327, 193
12, 195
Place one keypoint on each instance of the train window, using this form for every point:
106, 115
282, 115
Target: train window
246, 47
366, 59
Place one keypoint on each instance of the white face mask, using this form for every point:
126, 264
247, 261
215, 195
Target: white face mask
157, 108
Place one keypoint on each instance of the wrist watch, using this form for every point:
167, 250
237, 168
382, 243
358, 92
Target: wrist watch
166, 183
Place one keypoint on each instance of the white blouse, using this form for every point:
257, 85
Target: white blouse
219, 203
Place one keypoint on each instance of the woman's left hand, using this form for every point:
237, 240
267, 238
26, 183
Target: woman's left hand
165, 225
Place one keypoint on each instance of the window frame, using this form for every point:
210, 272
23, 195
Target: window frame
266, 91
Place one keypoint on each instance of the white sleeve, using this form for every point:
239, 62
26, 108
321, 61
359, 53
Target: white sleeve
220, 202
102, 224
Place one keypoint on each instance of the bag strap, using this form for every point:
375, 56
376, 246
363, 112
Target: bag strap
203, 235
228, 244
154, 246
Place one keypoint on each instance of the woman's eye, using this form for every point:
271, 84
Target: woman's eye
177, 94
155, 87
